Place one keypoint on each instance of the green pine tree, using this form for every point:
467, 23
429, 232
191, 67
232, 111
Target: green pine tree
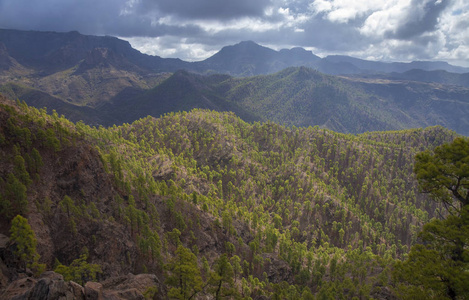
184, 277
222, 278
437, 269
15, 194
444, 174
79, 270
25, 240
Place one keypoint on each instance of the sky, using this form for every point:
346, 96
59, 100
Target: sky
192, 30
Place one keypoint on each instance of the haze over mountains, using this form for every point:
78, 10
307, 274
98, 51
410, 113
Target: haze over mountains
104, 81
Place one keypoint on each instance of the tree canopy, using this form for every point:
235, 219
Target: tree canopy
24, 238
444, 174
437, 267
184, 276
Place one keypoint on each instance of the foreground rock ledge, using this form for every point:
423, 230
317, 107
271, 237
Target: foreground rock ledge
52, 286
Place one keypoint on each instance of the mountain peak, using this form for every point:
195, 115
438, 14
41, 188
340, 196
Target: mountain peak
249, 42
249, 58
246, 46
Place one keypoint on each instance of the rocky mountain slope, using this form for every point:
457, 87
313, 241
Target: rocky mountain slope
292, 212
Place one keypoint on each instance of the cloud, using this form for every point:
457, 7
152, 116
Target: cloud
208, 9
421, 17
404, 20
343, 11
195, 29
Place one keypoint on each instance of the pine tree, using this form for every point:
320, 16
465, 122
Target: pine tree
222, 278
445, 173
15, 194
23, 236
437, 268
184, 277
79, 270
20, 170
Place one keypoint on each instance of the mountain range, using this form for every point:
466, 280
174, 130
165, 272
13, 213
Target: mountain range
104, 81
53, 51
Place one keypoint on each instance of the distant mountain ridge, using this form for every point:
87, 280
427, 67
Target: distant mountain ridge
438, 76
52, 51
248, 58
367, 66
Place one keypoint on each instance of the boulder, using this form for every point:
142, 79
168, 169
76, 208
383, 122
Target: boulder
93, 291
19, 289
49, 286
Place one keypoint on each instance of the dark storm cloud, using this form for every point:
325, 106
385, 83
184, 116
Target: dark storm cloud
208, 9
87, 16
187, 28
422, 17
120, 17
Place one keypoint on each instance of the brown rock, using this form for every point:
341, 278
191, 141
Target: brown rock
93, 291
131, 294
19, 289
50, 286
77, 290
129, 286
3, 241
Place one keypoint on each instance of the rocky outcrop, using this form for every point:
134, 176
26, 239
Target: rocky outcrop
49, 285
132, 287
79, 173
94, 290
105, 58
52, 286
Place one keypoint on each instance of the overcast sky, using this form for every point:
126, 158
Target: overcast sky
391, 30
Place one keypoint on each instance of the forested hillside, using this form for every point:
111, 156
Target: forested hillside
304, 97
251, 210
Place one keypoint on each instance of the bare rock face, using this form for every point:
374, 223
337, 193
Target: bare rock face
131, 286
93, 291
19, 289
79, 173
50, 286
